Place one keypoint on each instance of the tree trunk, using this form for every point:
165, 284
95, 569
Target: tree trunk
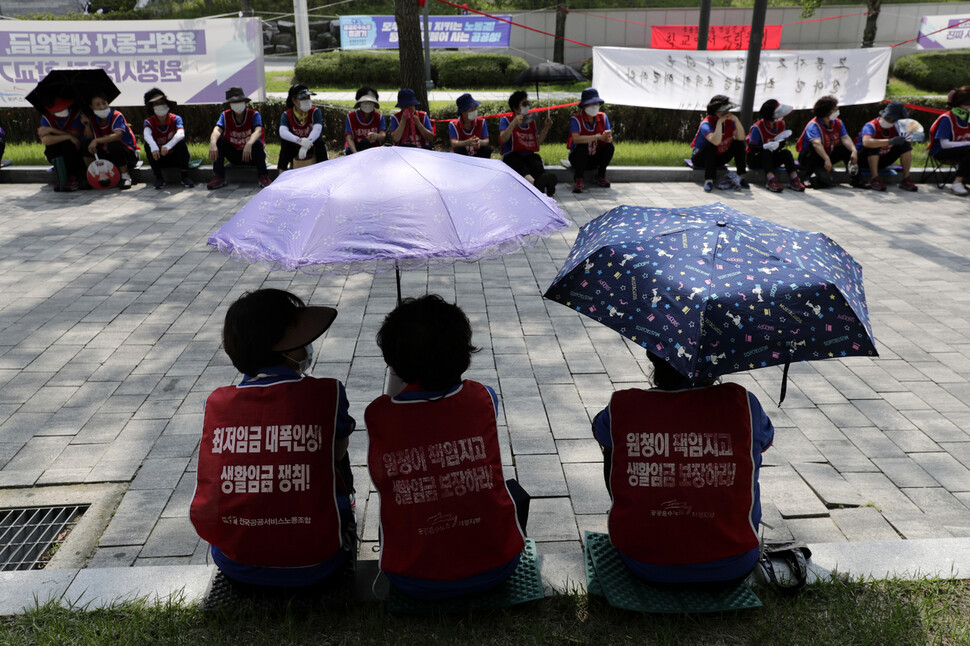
558, 47
409, 48
869, 33
247, 7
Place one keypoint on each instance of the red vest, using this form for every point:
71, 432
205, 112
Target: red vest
445, 511
105, 130
599, 126
64, 125
266, 491
767, 132
360, 129
162, 134
881, 133
301, 130
478, 130
831, 136
238, 134
683, 474
727, 137
960, 133
525, 139
411, 135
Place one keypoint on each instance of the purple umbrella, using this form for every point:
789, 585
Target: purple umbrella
389, 208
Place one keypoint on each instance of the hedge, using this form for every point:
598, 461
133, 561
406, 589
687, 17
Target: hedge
448, 69
934, 71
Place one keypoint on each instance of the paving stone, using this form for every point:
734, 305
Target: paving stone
541, 475
874, 443
135, 517
912, 441
119, 556
550, 519
815, 530
937, 427
940, 504
905, 472
828, 485
945, 469
103, 588
790, 494
863, 524
878, 490
171, 537
794, 446
565, 411
587, 488
587, 450
914, 524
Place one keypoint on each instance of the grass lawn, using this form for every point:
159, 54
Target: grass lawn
878, 613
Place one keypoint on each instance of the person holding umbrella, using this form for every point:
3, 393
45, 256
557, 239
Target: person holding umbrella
301, 127
591, 127
521, 139
684, 479
950, 137
469, 132
164, 135
719, 139
365, 126
766, 146
238, 137
411, 127
108, 133
828, 143
880, 144
62, 131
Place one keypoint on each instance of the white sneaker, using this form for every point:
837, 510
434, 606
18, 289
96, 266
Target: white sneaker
957, 188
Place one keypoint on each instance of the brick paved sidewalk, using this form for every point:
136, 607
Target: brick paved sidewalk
111, 309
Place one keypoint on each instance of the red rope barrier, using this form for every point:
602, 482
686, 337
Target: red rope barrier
509, 114
785, 24
921, 108
515, 24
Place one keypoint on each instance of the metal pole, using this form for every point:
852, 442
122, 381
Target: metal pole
754, 60
703, 24
428, 83
302, 26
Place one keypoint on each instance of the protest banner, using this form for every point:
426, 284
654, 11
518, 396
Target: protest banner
719, 37
955, 32
681, 80
380, 32
192, 61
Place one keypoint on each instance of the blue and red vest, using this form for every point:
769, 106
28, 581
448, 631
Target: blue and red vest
525, 139
478, 130
887, 133
127, 139
266, 488
411, 135
360, 129
768, 133
960, 133
64, 125
445, 511
301, 129
727, 137
683, 475
831, 136
162, 134
599, 126
238, 134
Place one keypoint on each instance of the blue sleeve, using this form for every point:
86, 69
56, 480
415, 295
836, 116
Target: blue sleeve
868, 129
347, 129
44, 123
573, 125
146, 124
221, 123
119, 123
427, 122
494, 397
844, 133
383, 125
706, 129
394, 123
284, 121
179, 123
503, 124
754, 135
452, 132
257, 120
763, 432
345, 423
606, 122
812, 131
601, 428
318, 117
944, 130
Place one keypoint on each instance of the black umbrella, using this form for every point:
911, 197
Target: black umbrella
72, 83
548, 72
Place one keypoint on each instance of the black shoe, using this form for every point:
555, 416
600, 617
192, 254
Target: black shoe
125, 183
187, 182
159, 183
550, 184
819, 180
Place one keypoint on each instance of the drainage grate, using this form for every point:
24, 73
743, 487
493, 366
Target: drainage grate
29, 536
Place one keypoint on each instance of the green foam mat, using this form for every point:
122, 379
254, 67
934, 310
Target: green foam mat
593, 585
195, 163
623, 589
524, 585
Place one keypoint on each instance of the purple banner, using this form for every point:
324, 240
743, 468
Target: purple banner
115, 43
380, 32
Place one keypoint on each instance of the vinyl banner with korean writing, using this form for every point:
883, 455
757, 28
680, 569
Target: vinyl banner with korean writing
380, 32
686, 80
718, 37
944, 32
192, 61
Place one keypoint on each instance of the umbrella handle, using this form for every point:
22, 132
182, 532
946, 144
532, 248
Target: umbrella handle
784, 374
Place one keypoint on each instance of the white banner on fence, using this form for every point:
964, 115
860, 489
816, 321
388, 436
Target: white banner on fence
944, 32
686, 80
192, 61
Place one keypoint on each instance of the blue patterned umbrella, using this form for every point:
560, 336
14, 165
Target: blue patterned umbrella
715, 291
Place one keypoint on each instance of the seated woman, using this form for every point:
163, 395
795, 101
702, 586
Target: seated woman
950, 137
274, 481
521, 139
237, 138
880, 144
765, 147
108, 135
164, 135
719, 139
450, 523
411, 127
591, 127
825, 142
684, 479
301, 127
61, 131
469, 132
365, 126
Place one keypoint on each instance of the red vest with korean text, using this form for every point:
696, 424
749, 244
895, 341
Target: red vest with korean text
683, 474
599, 126
960, 133
162, 133
64, 125
881, 133
525, 139
478, 130
411, 135
445, 511
727, 136
298, 129
266, 492
831, 136
360, 129
768, 132
238, 134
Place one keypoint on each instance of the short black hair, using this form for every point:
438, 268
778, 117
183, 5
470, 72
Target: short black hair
97, 94
717, 103
516, 98
767, 111
254, 324
958, 96
824, 106
154, 94
427, 341
366, 89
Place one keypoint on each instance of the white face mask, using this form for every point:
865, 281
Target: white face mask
471, 116
102, 114
160, 111
238, 107
305, 105
62, 113
367, 107
884, 124
592, 110
834, 115
304, 364
524, 110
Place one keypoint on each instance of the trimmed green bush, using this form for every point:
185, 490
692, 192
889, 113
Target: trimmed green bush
456, 70
934, 71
